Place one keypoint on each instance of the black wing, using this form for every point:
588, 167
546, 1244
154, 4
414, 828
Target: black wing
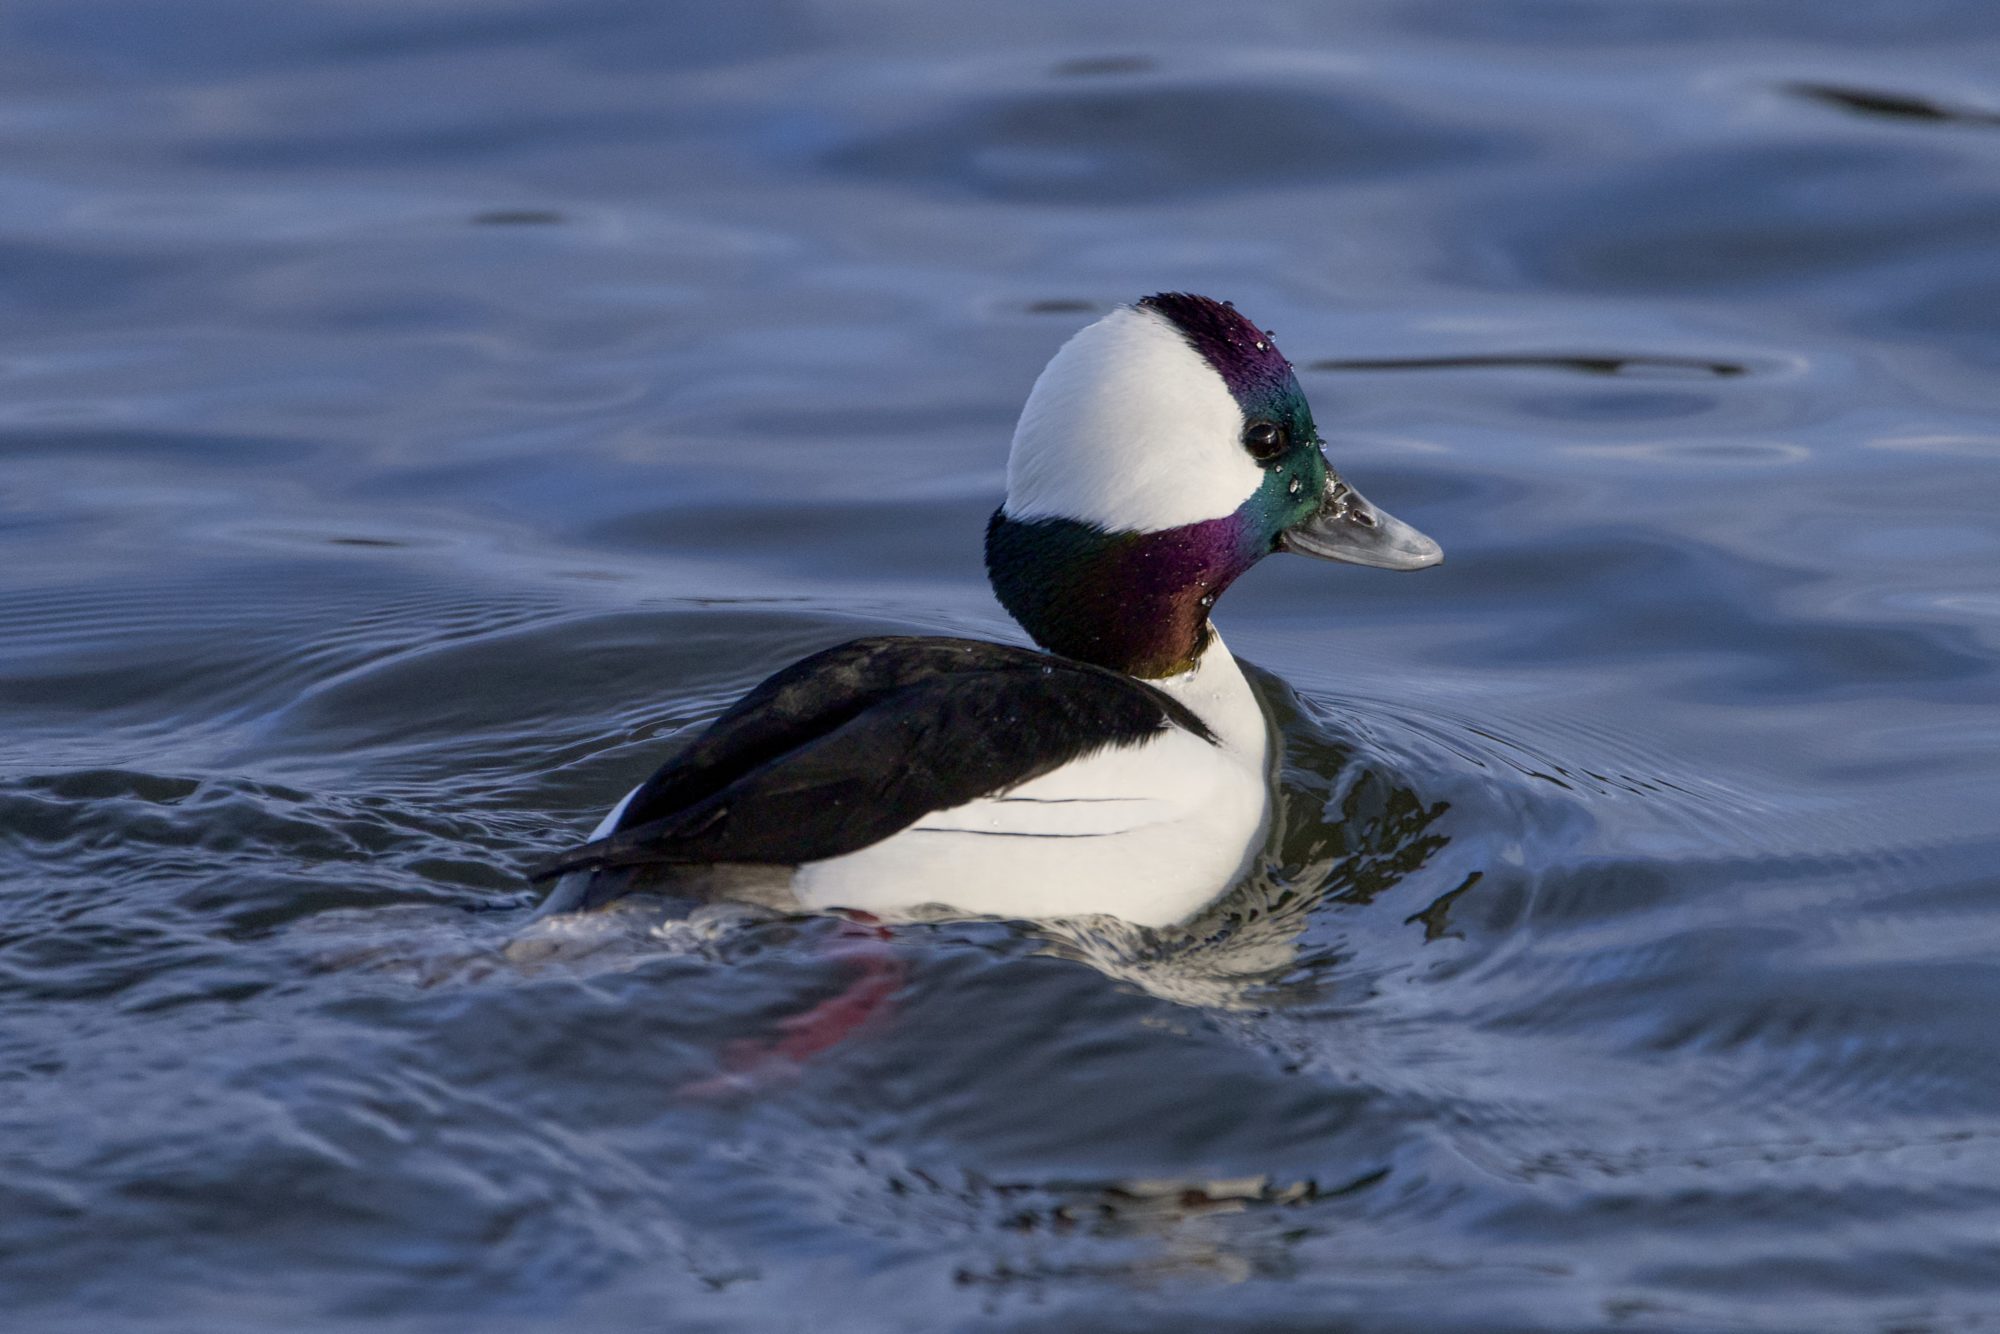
844, 748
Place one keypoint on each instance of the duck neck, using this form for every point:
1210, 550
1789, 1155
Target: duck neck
1134, 602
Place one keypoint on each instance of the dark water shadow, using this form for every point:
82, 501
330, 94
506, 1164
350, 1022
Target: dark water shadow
1888, 105
1583, 364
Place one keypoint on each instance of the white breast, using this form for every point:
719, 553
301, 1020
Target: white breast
1150, 833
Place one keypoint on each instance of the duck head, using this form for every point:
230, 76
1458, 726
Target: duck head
1165, 450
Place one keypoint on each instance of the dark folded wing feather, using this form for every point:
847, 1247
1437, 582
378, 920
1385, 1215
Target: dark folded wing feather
846, 747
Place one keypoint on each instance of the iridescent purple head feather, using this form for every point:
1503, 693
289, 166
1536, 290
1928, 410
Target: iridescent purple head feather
1242, 354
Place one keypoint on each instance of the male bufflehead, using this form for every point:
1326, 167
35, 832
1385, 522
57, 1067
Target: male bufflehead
1126, 768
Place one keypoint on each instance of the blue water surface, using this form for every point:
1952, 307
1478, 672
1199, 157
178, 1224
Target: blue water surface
413, 415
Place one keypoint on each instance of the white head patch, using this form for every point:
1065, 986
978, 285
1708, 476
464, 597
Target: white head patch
1130, 429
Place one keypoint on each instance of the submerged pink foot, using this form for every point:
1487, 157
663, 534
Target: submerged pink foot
750, 1064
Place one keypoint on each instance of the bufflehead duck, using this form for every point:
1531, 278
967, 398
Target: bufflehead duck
1125, 768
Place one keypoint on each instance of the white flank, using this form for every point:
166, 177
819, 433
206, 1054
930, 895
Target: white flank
1151, 833
1131, 429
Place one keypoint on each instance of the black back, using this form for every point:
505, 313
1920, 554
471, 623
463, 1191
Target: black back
848, 746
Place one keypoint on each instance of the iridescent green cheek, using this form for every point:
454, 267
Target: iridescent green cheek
1290, 492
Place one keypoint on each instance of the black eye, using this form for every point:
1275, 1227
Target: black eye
1266, 440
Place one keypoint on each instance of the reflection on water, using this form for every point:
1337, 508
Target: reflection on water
415, 419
